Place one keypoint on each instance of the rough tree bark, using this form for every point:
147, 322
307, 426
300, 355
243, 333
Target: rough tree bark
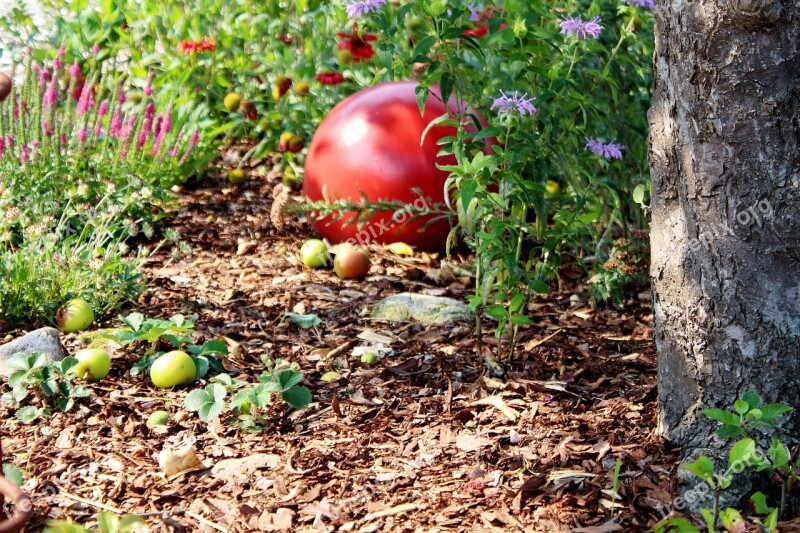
725, 160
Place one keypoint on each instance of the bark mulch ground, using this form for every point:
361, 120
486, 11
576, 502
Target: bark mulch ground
421, 440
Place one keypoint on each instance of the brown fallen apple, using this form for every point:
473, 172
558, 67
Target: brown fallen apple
351, 263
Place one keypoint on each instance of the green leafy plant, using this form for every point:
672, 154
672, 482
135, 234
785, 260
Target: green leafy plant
749, 414
39, 387
250, 404
176, 333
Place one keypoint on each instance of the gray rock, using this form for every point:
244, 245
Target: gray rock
43, 340
239, 470
423, 308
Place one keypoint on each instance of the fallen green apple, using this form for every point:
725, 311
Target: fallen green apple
314, 253
369, 358
158, 418
172, 369
93, 364
75, 315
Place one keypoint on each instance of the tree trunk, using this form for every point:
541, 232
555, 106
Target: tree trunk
725, 158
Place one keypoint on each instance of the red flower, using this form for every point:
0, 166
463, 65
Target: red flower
357, 45
203, 45
478, 31
481, 30
330, 78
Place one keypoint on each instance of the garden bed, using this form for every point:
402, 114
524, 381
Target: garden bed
408, 443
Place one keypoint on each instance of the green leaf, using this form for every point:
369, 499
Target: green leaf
289, 378
721, 416
208, 403
778, 454
741, 452
131, 523
752, 398
13, 474
133, 320
675, 525
521, 320
213, 346
727, 431
741, 406
28, 414
702, 468
773, 410
638, 194
708, 516
732, 520
62, 526
304, 321
298, 397
771, 523
107, 522
759, 501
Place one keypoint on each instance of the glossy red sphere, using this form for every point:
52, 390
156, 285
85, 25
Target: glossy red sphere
369, 145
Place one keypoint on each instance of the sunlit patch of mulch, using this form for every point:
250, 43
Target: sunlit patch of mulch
422, 440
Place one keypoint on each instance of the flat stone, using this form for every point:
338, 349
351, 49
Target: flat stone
423, 308
238, 470
43, 340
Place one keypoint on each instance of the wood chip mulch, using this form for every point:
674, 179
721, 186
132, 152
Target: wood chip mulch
420, 441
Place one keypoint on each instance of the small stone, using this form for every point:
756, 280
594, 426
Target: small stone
423, 308
239, 470
44, 340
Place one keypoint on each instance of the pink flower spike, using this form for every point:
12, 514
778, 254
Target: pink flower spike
192, 143
103, 110
63, 139
75, 70
82, 133
115, 130
86, 101
57, 64
23, 154
2, 147
120, 95
9, 140
95, 48
62, 50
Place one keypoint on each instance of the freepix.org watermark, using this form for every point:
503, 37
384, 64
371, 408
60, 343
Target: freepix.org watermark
755, 214
376, 228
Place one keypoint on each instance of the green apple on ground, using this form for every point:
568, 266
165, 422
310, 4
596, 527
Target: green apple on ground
158, 418
236, 176
351, 263
314, 253
75, 315
172, 369
93, 364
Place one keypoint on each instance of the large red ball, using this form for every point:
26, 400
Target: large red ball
369, 146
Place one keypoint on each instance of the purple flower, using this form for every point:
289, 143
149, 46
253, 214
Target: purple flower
581, 29
474, 13
609, 151
359, 8
95, 48
147, 125
647, 4
518, 103
75, 70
